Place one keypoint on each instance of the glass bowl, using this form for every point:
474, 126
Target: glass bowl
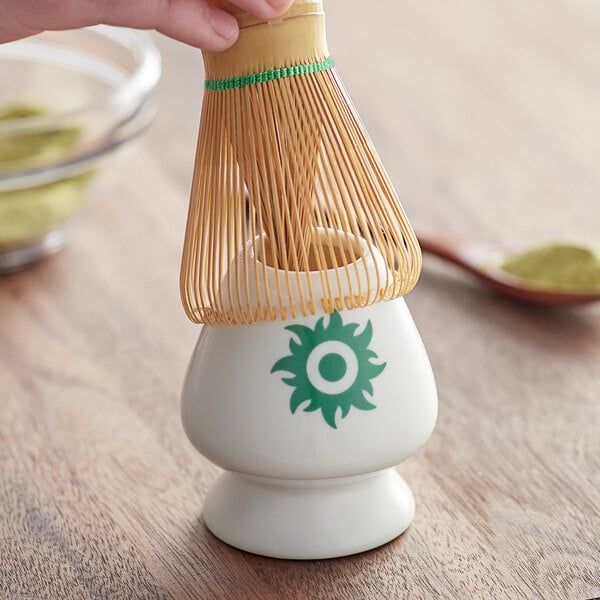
68, 102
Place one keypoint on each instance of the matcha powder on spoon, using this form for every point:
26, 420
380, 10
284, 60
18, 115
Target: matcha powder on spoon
557, 266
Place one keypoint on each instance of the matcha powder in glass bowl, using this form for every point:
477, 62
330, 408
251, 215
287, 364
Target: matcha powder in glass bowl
28, 213
568, 267
69, 102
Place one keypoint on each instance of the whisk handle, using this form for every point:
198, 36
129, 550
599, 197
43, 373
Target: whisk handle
236, 11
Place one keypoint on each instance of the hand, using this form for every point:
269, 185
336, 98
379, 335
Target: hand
194, 22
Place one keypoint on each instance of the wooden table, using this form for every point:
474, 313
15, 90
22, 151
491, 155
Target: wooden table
487, 115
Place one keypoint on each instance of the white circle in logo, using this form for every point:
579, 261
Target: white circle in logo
318, 381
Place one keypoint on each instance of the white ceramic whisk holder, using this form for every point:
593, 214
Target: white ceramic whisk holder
309, 418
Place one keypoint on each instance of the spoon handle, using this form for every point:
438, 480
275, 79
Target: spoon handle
444, 246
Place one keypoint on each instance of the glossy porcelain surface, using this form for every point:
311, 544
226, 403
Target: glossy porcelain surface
238, 413
309, 519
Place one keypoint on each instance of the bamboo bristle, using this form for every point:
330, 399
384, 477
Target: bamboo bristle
287, 185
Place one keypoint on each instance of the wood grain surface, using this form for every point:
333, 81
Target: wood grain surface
487, 116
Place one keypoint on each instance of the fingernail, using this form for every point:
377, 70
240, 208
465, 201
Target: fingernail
222, 24
277, 4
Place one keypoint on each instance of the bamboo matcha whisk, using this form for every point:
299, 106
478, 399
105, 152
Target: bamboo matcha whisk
287, 184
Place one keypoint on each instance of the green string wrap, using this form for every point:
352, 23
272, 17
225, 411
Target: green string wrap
232, 83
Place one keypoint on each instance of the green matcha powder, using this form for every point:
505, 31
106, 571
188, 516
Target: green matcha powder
28, 213
557, 266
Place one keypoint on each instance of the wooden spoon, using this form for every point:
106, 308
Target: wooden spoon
483, 260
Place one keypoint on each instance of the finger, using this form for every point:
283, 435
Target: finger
194, 22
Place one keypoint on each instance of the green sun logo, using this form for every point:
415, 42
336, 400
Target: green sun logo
331, 367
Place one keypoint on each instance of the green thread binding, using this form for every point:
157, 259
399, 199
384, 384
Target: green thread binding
232, 83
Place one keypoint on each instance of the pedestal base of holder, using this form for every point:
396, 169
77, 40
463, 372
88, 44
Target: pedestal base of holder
312, 519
